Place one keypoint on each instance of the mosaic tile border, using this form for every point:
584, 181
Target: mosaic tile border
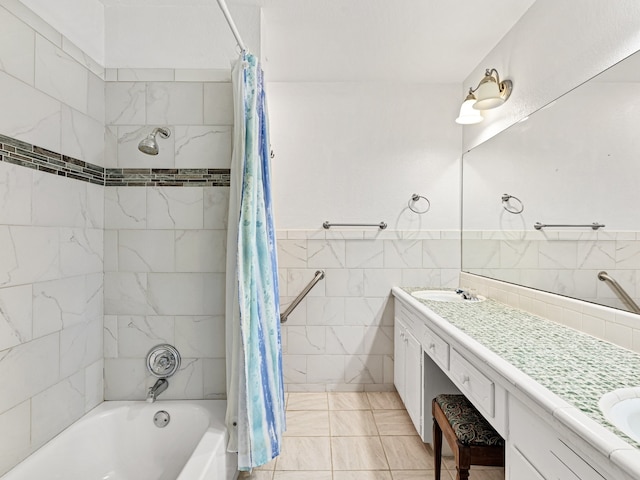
167, 177
37, 158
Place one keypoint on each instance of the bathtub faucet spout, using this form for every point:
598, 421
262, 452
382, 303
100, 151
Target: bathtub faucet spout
160, 386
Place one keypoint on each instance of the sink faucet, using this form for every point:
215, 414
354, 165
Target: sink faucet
465, 294
160, 386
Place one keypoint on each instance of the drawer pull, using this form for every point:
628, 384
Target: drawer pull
432, 346
465, 379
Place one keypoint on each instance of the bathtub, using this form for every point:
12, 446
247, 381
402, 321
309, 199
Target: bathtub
120, 441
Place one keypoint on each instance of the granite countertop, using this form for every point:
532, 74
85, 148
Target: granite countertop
575, 366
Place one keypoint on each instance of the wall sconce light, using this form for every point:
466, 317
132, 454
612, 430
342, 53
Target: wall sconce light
490, 93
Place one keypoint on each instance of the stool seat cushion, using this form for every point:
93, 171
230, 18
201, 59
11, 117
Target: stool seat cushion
470, 427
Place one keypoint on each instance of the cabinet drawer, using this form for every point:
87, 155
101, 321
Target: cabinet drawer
473, 383
436, 348
413, 322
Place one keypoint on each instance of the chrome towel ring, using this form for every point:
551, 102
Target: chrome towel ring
414, 199
508, 207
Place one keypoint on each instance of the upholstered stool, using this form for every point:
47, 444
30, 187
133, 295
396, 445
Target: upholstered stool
472, 439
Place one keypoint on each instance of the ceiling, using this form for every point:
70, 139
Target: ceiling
422, 41
434, 41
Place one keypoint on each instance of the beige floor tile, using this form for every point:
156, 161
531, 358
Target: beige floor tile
282, 475
358, 453
418, 475
307, 423
407, 453
268, 466
256, 475
362, 475
348, 401
385, 401
448, 462
305, 453
394, 422
484, 473
307, 401
351, 423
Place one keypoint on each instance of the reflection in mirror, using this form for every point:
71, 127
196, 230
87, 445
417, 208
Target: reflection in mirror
574, 162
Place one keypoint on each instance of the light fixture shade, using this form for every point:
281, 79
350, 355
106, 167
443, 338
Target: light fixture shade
488, 95
468, 115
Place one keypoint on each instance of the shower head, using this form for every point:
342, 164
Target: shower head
149, 145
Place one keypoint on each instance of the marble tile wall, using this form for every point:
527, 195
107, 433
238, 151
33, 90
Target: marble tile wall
51, 237
165, 246
564, 262
340, 338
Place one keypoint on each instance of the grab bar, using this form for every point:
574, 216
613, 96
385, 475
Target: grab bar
381, 225
615, 286
594, 225
319, 275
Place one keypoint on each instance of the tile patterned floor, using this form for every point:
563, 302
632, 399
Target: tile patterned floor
355, 436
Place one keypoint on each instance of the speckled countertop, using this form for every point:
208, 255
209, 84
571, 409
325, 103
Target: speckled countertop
575, 366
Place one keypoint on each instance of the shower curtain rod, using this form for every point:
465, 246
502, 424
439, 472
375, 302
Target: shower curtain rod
232, 25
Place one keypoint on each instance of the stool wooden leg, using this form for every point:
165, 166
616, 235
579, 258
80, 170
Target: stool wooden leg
463, 473
437, 448
463, 462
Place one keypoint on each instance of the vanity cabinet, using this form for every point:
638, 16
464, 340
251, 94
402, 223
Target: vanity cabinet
432, 356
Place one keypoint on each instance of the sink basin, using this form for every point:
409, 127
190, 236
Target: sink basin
444, 296
622, 409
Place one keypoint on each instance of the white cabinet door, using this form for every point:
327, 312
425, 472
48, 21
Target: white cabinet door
407, 371
519, 468
413, 380
399, 355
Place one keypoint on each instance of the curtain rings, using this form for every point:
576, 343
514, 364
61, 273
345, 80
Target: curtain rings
510, 208
415, 198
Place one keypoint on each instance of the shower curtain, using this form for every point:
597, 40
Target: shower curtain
255, 388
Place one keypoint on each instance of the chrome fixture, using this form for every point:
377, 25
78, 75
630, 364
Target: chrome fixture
319, 275
619, 291
161, 419
467, 295
149, 145
160, 386
490, 93
412, 204
594, 226
163, 361
326, 225
506, 198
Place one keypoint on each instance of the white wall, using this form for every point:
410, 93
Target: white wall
554, 47
86, 17
356, 152
184, 36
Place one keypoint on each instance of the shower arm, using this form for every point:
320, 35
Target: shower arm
285, 315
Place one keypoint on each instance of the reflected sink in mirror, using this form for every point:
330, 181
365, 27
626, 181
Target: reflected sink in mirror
445, 296
621, 408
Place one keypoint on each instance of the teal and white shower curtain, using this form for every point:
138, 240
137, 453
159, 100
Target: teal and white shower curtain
255, 387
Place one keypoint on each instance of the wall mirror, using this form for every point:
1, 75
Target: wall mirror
574, 162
